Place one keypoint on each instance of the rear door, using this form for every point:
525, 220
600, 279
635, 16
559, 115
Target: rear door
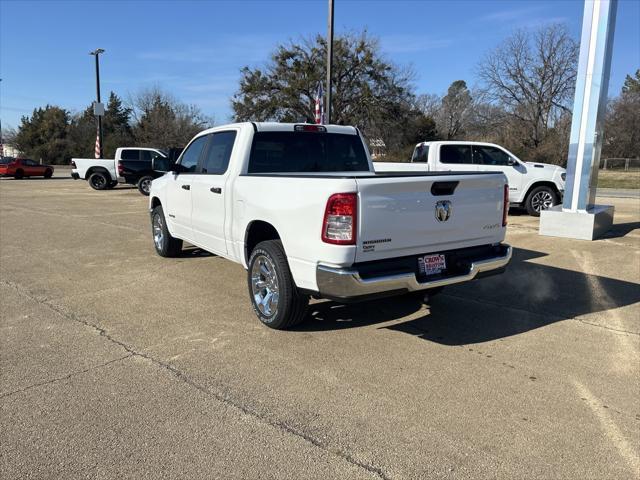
455, 158
401, 216
178, 205
494, 159
209, 192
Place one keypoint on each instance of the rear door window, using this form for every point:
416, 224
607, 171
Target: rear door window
130, 155
456, 154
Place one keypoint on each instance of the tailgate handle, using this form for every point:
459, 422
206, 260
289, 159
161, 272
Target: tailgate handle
443, 188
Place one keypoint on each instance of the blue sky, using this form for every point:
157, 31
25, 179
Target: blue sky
195, 49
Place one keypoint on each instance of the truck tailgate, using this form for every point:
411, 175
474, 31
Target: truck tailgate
397, 215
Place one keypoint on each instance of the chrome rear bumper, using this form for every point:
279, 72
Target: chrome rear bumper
345, 283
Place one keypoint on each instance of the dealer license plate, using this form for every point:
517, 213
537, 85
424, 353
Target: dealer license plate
431, 264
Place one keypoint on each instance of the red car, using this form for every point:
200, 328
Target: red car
23, 167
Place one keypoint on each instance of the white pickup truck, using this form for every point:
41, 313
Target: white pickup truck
132, 165
301, 208
535, 186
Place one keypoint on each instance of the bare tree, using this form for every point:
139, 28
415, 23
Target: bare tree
162, 121
428, 104
455, 110
532, 76
622, 125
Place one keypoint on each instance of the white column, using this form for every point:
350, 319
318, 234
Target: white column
579, 217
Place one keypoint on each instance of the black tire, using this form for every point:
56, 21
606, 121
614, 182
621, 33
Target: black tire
48, 173
540, 198
166, 245
19, 174
291, 305
99, 181
144, 185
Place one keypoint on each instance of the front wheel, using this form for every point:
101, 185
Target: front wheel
99, 181
48, 173
275, 299
19, 174
164, 243
540, 198
144, 185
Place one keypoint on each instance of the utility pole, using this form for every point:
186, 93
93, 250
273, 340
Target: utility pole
329, 62
98, 109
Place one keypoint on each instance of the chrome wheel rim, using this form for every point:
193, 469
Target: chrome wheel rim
146, 186
264, 286
158, 234
542, 201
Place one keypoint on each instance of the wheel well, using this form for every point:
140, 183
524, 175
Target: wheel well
542, 184
155, 201
258, 231
93, 170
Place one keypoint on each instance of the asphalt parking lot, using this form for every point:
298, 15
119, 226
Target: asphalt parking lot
116, 363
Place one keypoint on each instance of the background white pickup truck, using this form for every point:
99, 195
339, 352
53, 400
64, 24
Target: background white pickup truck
301, 208
535, 186
132, 165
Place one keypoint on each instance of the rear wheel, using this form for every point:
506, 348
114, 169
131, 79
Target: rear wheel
144, 185
275, 299
99, 181
540, 198
19, 174
48, 173
164, 243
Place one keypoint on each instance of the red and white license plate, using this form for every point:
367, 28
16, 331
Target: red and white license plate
431, 264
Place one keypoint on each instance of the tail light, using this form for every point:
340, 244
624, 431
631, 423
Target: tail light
340, 219
120, 168
73, 164
505, 207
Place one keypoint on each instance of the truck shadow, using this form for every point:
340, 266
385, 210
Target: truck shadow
528, 296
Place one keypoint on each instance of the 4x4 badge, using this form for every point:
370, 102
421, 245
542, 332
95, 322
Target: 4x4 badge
443, 210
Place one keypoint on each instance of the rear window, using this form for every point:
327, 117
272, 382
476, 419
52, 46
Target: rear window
421, 154
296, 152
5, 160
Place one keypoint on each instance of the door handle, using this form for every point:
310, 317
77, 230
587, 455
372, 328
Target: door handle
215, 190
186, 187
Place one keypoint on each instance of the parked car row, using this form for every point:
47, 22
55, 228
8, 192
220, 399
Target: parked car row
23, 168
131, 165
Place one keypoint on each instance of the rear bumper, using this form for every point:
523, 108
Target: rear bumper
353, 283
